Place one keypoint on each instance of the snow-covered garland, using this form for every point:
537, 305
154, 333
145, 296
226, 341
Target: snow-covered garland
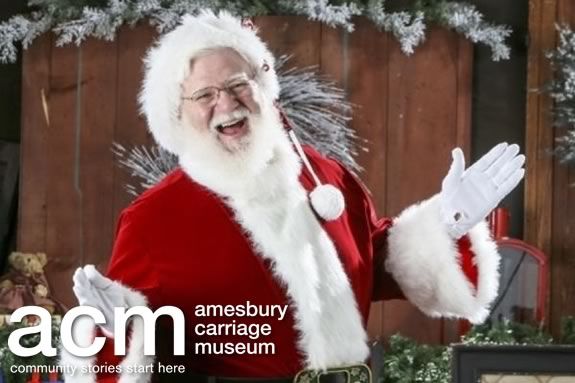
562, 91
315, 105
74, 21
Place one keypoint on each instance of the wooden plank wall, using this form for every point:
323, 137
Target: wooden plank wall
71, 189
550, 198
412, 110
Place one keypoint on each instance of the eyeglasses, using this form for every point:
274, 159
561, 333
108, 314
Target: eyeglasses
208, 96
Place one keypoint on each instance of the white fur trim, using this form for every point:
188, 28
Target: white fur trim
424, 260
327, 201
167, 65
84, 330
330, 329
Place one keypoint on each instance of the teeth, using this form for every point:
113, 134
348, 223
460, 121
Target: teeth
229, 123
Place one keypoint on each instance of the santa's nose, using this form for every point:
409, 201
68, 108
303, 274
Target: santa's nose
226, 102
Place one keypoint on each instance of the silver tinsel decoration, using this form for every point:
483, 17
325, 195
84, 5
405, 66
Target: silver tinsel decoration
74, 25
320, 112
148, 165
21, 29
315, 105
95, 22
322, 11
408, 29
467, 20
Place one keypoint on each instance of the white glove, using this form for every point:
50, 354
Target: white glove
468, 196
93, 289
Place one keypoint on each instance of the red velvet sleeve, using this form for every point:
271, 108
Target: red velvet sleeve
384, 285
467, 260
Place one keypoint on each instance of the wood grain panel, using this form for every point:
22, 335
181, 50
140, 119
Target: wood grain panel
334, 52
32, 219
366, 76
428, 116
295, 36
64, 194
130, 126
538, 205
98, 114
423, 118
367, 73
566, 12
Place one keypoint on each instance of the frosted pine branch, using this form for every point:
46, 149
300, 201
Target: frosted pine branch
332, 15
73, 24
565, 148
100, 23
147, 165
467, 20
408, 29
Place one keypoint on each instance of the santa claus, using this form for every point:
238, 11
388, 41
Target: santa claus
252, 217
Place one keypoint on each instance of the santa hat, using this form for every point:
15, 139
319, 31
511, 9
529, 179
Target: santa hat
167, 64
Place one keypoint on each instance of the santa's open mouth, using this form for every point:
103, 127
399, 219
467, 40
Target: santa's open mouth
234, 128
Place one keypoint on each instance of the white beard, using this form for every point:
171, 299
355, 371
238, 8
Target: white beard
258, 165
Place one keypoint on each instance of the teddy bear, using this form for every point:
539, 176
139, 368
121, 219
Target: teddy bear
25, 283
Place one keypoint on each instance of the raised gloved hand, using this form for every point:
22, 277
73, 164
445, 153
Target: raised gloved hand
468, 196
93, 289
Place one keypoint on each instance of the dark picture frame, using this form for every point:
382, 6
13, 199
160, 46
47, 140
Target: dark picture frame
470, 362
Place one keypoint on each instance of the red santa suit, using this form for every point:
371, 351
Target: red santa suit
180, 244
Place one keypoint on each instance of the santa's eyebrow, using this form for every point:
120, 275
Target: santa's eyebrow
236, 76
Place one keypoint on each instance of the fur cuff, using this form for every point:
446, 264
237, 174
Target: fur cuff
84, 331
425, 262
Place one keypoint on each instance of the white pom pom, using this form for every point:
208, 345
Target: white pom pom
327, 201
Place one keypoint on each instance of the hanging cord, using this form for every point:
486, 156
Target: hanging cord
508, 285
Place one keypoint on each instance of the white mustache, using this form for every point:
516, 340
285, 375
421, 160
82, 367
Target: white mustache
222, 119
